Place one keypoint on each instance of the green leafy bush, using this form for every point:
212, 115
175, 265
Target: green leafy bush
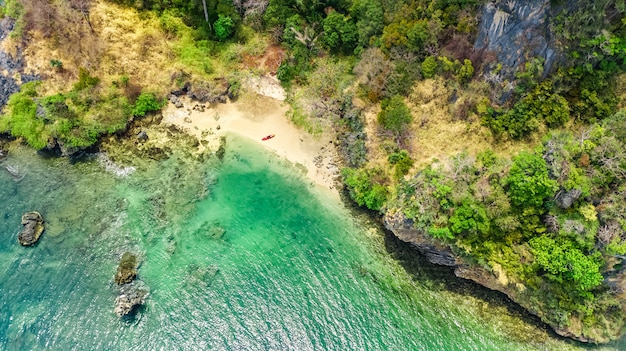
563, 263
147, 102
470, 218
395, 115
429, 67
528, 183
22, 120
340, 33
85, 80
224, 27
366, 187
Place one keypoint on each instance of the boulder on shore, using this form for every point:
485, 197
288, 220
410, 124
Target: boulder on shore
127, 269
33, 228
131, 296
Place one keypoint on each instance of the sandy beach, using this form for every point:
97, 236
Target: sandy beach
255, 116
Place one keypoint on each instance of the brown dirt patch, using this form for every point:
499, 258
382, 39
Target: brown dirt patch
268, 62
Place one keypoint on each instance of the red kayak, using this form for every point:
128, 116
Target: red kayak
268, 137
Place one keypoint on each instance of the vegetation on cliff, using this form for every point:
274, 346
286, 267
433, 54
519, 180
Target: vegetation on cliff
519, 169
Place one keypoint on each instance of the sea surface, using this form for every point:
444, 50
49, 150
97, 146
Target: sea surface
238, 254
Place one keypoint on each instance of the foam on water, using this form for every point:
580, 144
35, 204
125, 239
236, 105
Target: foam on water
113, 168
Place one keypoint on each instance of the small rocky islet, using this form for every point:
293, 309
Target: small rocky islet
33, 228
132, 293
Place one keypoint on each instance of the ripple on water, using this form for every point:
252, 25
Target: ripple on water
290, 269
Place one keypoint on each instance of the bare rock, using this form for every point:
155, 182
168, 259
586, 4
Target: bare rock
142, 136
33, 228
434, 251
130, 298
565, 199
175, 100
127, 269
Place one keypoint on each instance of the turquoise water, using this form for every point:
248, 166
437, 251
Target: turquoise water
238, 255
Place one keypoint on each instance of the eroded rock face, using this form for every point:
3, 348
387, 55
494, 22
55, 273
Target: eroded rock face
565, 199
130, 298
214, 91
436, 253
33, 228
516, 31
127, 269
11, 65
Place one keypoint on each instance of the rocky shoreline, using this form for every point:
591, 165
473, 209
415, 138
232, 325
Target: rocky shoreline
146, 143
440, 254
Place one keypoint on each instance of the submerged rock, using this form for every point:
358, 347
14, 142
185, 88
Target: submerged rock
16, 172
127, 269
33, 228
130, 298
201, 276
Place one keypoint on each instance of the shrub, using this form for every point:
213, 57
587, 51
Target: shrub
429, 67
402, 163
85, 80
440, 233
147, 102
466, 72
57, 64
528, 182
365, 187
224, 27
395, 115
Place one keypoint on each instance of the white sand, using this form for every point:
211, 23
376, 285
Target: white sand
254, 117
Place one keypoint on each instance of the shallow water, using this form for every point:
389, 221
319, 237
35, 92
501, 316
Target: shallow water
239, 255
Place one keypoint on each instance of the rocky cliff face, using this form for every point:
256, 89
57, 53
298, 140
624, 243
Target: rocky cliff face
515, 32
495, 279
11, 67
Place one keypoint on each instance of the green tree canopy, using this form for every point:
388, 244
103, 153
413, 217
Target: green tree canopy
224, 27
528, 182
564, 263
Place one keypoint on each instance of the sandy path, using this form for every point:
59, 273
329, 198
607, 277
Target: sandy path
255, 117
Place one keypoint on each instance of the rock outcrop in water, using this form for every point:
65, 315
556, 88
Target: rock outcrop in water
127, 269
132, 293
33, 228
130, 298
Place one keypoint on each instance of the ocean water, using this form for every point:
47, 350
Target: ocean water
242, 254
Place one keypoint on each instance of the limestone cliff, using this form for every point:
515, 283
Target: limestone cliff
516, 32
494, 278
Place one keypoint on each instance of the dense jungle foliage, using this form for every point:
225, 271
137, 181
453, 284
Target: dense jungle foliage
550, 220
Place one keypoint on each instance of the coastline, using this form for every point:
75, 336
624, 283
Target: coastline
255, 116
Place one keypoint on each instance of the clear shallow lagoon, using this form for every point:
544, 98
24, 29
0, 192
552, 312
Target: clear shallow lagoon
238, 255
